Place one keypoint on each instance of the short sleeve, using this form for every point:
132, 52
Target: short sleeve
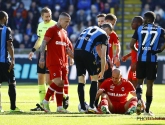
8, 35
38, 31
49, 34
162, 32
104, 39
104, 85
130, 87
135, 35
115, 39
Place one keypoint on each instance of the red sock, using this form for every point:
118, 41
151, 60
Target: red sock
104, 101
66, 86
50, 91
132, 103
59, 95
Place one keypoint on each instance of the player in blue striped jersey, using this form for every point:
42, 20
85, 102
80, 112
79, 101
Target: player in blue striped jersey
85, 60
148, 36
7, 65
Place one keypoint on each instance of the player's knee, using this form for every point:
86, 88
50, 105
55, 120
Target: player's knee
94, 78
81, 79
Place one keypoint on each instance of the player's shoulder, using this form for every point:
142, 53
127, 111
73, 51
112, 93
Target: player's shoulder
113, 34
125, 81
53, 22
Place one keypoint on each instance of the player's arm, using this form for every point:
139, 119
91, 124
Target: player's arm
103, 60
118, 50
99, 92
133, 93
10, 47
133, 40
124, 58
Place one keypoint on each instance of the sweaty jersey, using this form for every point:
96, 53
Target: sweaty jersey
5, 35
114, 40
117, 93
41, 30
148, 36
90, 38
57, 41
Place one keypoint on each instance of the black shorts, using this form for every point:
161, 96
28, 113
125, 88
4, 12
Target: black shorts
5, 74
107, 73
146, 70
85, 61
44, 70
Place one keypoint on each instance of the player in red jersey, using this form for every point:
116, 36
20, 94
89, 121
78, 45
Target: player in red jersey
136, 22
114, 93
114, 40
57, 41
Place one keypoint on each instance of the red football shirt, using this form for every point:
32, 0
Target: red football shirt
112, 40
117, 93
57, 41
71, 47
134, 54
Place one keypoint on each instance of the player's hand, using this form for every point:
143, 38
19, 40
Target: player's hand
12, 64
31, 55
100, 76
124, 58
69, 52
133, 67
116, 61
42, 62
71, 61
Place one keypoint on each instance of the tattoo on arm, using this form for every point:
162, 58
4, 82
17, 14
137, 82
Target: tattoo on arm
42, 48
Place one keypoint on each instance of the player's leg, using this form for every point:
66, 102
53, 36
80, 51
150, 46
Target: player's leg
81, 71
66, 96
151, 76
48, 82
1, 110
12, 91
140, 74
130, 106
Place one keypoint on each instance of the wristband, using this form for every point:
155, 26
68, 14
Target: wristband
33, 49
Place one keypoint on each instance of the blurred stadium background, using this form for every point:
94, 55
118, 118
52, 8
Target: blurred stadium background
24, 16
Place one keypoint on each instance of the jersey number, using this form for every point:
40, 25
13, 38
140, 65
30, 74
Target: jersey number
91, 31
155, 33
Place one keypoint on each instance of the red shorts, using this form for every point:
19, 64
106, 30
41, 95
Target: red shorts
58, 71
118, 107
132, 75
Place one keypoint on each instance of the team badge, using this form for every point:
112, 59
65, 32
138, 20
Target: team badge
122, 89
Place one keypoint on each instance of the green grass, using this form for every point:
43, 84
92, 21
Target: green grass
27, 97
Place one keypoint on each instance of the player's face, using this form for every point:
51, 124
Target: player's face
107, 30
64, 22
46, 17
134, 25
100, 21
113, 22
116, 78
6, 20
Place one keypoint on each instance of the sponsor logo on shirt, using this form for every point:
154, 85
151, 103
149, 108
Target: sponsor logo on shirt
60, 43
116, 94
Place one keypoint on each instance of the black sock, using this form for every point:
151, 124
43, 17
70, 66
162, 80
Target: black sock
139, 93
93, 91
148, 103
96, 102
81, 95
12, 96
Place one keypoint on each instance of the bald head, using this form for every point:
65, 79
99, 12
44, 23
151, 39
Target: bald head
116, 76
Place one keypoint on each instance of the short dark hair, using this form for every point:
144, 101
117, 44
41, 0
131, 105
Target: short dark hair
3, 14
139, 19
107, 25
150, 16
111, 17
101, 15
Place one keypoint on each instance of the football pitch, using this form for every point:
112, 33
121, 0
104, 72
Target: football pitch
27, 97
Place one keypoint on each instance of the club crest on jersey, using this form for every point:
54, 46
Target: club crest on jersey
122, 88
112, 87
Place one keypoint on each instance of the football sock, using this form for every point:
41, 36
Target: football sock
148, 103
92, 92
81, 94
139, 93
66, 86
132, 103
42, 92
59, 95
50, 91
12, 96
96, 102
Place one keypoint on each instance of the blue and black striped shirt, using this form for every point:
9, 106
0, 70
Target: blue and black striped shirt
90, 38
5, 35
148, 37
